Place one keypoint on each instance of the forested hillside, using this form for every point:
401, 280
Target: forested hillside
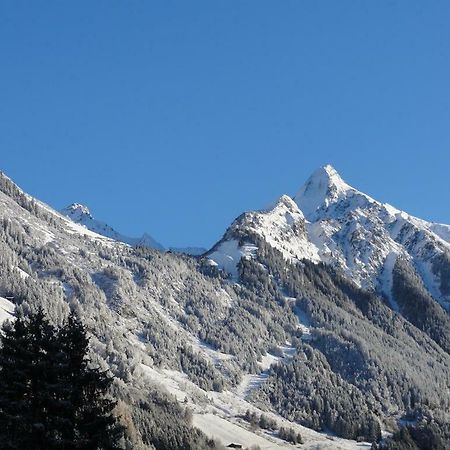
192, 342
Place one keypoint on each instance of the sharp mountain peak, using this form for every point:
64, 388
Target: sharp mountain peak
322, 188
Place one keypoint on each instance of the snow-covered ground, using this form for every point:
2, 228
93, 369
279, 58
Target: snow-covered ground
227, 432
219, 415
6, 310
250, 382
228, 254
385, 279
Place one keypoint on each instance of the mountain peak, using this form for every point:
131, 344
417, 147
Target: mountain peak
80, 214
323, 187
331, 173
76, 211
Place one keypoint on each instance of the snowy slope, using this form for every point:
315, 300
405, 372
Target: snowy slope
364, 237
6, 310
139, 306
80, 214
219, 415
122, 293
282, 226
330, 221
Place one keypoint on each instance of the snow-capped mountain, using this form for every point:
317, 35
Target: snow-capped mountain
80, 214
330, 221
298, 342
282, 225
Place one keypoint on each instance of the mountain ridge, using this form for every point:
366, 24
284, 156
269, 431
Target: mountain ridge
81, 214
350, 230
287, 334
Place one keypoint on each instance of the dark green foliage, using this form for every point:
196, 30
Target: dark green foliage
49, 397
31, 392
89, 411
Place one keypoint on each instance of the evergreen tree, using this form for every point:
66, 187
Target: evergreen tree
88, 412
43, 383
28, 377
14, 387
49, 396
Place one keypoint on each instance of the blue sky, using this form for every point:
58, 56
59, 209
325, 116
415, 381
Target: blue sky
173, 117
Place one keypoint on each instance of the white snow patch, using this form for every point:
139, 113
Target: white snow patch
385, 279
214, 355
249, 383
304, 324
323, 187
228, 254
216, 427
6, 310
22, 273
441, 230
267, 360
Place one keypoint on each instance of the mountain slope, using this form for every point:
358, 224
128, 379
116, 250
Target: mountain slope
80, 214
364, 237
341, 257
156, 321
287, 336
332, 222
282, 226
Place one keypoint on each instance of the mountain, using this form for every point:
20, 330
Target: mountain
331, 222
290, 322
365, 237
80, 214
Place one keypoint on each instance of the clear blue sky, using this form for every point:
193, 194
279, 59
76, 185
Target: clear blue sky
173, 117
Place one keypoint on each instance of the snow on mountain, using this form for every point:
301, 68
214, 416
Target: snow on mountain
6, 310
364, 237
349, 228
324, 187
330, 221
441, 230
80, 214
135, 306
73, 261
281, 225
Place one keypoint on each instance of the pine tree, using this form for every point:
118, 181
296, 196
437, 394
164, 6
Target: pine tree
49, 396
27, 384
14, 389
88, 412
44, 382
